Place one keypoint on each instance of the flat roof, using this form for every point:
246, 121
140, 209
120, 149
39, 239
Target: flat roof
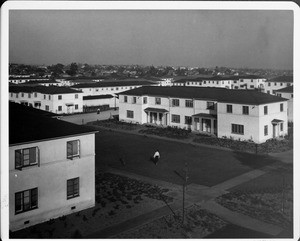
283, 78
30, 125
52, 90
250, 97
289, 89
112, 84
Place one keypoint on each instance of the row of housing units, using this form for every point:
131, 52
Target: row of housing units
51, 167
75, 99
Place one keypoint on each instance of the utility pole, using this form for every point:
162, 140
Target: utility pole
183, 194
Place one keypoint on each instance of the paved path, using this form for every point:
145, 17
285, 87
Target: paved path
80, 119
240, 219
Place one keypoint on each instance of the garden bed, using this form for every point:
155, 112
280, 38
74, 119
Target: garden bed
268, 198
169, 132
199, 223
115, 124
118, 199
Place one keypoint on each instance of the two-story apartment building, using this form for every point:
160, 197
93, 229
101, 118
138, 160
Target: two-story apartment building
53, 99
287, 93
51, 167
239, 114
277, 83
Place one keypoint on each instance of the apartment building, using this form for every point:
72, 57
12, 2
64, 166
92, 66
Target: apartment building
51, 167
239, 114
277, 83
287, 93
24, 79
60, 100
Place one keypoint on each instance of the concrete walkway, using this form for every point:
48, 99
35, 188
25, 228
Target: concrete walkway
240, 219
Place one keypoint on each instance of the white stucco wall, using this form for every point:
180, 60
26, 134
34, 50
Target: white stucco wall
51, 180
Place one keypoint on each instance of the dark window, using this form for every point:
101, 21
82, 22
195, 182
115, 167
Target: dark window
245, 110
26, 157
125, 98
59, 97
47, 107
44, 97
281, 107
269, 84
130, 114
176, 118
210, 105
189, 103
268, 91
145, 100
266, 110
29, 95
197, 119
17, 95
35, 94
188, 120
73, 149
76, 107
275, 84
175, 102
26, 200
266, 130
237, 129
157, 101
73, 188
281, 126
229, 108
134, 100
60, 108
22, 94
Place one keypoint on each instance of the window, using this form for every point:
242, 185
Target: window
76, 107
35, 94
134, 100
17, 95
281, 107
125, 98
117, 88
245, 110
176, 118
269, 84
11, 94
241, 80
157, 101
73, 188
291, 96
47, 107
59, 97
130, 114
145, 100
26, 200
278, 94
275, 84
252, 80
73, 149
266, 110
22, 94
197, 120
44, 97
188, 120
266, 130
281, 84
252, 86
60, 108
229, 108
210, 105
49, 97
189, 103
175, 102
29, 95
26, 157
237, 129
281, 126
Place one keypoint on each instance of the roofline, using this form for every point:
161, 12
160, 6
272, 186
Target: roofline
54, 138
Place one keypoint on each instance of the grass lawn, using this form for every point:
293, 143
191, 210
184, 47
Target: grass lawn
206, 166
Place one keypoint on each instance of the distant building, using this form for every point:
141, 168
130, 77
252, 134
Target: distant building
277, 83
287, 93
51, 167
43, 83
24, 79
60, 100
238, 114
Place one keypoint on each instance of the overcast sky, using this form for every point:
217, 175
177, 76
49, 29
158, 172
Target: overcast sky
257, 39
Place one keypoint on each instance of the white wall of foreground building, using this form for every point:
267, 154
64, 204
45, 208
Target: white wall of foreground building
50, 177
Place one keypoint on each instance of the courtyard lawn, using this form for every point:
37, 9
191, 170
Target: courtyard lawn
206, 166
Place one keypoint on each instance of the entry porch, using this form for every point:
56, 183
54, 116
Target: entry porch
205, 123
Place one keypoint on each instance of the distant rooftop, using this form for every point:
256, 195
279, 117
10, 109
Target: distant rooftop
40, 82
112, 84
250, 97
31, 77
283, 78
52, 90
95, 97
30, 125
289, 89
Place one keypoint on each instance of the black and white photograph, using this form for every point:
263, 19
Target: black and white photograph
149, 120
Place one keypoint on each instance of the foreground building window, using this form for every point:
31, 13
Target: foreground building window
229, 108
237, 129
245, 110
189, 103
176, 118
26, 157
157, 101
73, 188
73, 149
26, 200
129, 114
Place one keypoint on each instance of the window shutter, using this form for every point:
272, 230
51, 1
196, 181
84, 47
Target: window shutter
69, 150
18, 159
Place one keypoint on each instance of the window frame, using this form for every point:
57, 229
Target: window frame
266, 131
145, 100
210, 105
134, 99
266, 110
157, 100
59, 108
73, 155
174, 118
21, 154
74, 184
59, 97
175, 102
237, 129
245, 110
130, 114
281, 107
32, 200
189, 103
125, 99
228, 108
188, 120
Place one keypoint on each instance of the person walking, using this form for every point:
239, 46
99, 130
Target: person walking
156, 157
